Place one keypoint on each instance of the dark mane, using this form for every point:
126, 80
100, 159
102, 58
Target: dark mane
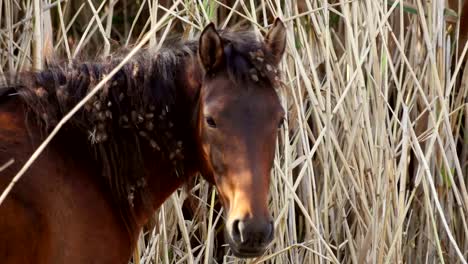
142, 108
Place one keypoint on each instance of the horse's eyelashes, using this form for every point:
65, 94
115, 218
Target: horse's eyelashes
210, 121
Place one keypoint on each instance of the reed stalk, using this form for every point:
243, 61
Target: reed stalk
371, 164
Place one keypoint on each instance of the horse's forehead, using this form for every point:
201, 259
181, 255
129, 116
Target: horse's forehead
234, 89
254, 101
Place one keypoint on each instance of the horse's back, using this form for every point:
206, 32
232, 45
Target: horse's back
56, 213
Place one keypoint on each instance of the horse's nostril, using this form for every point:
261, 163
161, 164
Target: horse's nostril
271, 230
235, 231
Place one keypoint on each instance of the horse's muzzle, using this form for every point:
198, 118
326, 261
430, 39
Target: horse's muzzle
249, 238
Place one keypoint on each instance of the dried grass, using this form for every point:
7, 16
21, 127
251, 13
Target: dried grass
371, 166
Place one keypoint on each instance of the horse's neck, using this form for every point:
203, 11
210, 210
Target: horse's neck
159, 174
160, 185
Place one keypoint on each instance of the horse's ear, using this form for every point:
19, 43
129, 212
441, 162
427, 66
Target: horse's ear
210, 49
275, 40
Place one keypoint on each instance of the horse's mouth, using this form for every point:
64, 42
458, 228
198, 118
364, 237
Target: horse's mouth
247, 252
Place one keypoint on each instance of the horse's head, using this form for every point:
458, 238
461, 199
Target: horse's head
239, 117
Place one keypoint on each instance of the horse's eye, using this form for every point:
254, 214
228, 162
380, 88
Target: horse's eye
210, 121
281, 122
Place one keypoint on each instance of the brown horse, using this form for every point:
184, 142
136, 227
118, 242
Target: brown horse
206, 106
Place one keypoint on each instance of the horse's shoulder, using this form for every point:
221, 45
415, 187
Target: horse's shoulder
22, 231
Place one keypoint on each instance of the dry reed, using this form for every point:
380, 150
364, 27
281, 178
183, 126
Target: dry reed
371, 166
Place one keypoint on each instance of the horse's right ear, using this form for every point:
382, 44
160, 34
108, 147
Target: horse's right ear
210, 50
275, 40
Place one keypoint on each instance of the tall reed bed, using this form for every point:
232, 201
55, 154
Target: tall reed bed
372, 164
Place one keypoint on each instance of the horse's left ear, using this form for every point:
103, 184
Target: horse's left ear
211, 49
275, 40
